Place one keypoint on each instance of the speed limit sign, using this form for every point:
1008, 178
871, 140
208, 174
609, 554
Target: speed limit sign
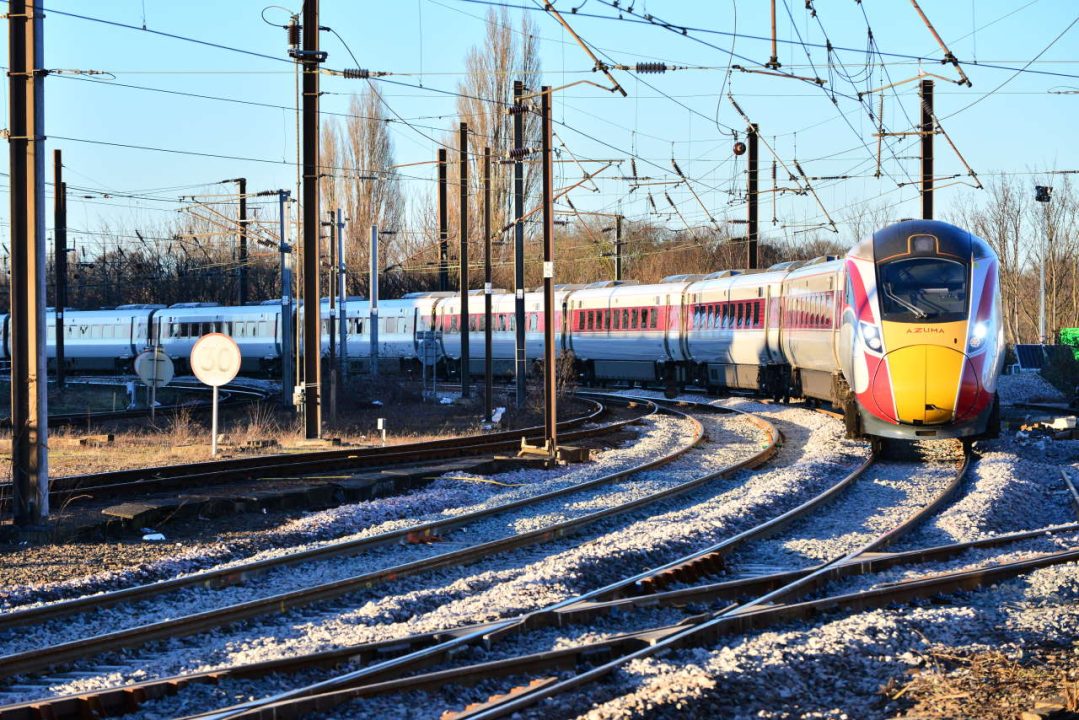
215, 359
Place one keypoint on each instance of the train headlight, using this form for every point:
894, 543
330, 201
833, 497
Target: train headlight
977, 335
870, 336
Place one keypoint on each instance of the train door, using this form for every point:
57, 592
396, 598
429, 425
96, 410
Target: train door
665, 324
773, 305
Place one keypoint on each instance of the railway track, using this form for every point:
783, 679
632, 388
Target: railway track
39, 659
745, 603
34, 661
642, 590
136, 482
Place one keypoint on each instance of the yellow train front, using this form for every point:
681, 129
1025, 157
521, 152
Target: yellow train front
921, 343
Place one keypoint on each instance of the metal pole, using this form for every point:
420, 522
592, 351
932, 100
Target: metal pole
331, 316
751, 197
618, 248
550, 413
331, 283
773, 62
29, 398
488, 359
1042, 336
342, 298
243, 239
462, 159
927, 149
519, 243
59, 261
287, 343
312, 340
213, 426
443, 225
374, 301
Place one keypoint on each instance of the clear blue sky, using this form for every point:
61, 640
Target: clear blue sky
1026, 125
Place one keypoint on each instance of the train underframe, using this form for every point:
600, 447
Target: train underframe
781, 382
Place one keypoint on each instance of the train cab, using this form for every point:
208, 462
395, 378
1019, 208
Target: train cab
921, 335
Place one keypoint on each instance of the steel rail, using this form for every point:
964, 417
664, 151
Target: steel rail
168, 477
38, 659
116, 701
802, 584
517, 700
445, 647
237, 574
640, 643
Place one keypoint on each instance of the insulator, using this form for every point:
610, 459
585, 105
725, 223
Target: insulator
676, 168
651, 67
356, 73
294, 33
518, 153
633, 165
517, 109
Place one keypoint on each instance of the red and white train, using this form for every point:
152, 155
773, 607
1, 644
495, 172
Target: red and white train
903, 334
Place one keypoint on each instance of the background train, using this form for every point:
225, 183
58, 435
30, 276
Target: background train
903, 334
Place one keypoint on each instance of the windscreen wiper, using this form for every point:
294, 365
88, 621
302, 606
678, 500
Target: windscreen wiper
918, 312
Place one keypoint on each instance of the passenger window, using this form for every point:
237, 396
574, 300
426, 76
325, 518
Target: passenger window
644, 318
653, 319
635, 318
625, 318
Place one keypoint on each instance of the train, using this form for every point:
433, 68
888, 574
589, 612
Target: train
902, 335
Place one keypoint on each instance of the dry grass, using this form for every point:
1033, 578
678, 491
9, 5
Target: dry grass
182, 436
992, 686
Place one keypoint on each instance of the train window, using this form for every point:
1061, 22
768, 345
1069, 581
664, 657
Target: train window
757, 313
534, 321
263, 330
654, 321
453, 323
923, 289
644, 317
635, 316
625, 318
106, 331
391, 325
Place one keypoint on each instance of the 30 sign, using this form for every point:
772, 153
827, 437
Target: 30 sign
215, 359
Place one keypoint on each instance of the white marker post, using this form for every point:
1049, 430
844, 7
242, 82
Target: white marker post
155, 369
215, 360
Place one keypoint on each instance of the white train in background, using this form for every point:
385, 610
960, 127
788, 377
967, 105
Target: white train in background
903, 334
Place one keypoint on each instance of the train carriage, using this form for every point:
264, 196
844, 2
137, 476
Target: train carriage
99, 340
255, 328
397, 324
626, 331
809, 325
727, 334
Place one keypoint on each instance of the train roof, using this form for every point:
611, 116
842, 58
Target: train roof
922, 237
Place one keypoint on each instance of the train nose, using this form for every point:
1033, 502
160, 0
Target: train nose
924, 383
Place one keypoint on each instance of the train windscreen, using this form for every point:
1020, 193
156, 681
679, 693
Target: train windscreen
924, 289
